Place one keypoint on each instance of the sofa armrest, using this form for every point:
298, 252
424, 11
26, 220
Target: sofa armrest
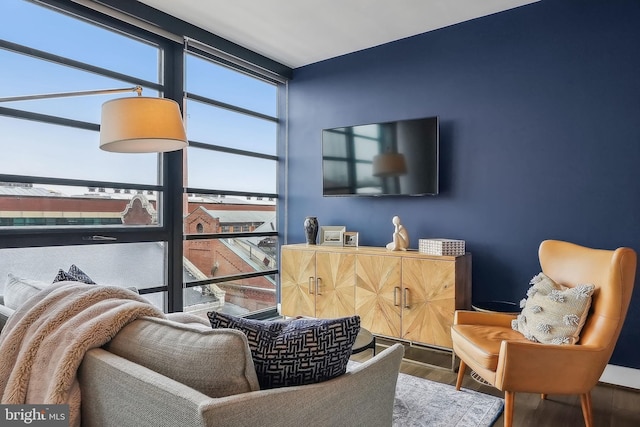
189, 319
362, 396
117, 392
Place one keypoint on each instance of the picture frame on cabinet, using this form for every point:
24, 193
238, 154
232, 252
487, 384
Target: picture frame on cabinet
332, 235
350, 239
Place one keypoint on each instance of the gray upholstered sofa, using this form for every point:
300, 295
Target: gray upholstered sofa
179, 372
5, 312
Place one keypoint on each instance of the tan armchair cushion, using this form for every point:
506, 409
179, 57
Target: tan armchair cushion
483, 342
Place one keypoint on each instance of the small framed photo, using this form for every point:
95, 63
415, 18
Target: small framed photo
350, 238
332, 235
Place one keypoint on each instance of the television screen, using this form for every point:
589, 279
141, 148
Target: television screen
381, 159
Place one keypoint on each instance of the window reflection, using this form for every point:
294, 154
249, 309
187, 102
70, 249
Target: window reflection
393, 158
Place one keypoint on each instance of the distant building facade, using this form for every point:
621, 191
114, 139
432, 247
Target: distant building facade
224, 257
25, 205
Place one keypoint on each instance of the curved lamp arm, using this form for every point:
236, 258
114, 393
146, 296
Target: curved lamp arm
137, 89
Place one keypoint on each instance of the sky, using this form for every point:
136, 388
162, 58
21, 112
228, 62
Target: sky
31, 148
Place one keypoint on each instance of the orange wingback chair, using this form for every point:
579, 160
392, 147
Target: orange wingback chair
503, 357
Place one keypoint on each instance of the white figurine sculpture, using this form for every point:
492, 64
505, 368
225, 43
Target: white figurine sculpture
400, 237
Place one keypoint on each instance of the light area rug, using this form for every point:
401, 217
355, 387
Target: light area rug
420, 402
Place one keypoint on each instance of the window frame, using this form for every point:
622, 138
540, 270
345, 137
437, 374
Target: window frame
137, 20
215, 192
168, 164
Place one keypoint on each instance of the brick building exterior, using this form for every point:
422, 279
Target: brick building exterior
225, 257
25, 206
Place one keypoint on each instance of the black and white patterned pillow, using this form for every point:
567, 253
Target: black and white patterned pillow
74, 274
296, 352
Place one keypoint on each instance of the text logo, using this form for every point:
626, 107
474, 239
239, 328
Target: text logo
34, 415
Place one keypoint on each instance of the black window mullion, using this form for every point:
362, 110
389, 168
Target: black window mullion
45, 118
61, 60
27, 179
145, 291
210, 236
219, 148
172, 179
216, 192
229, 278
230, 107
62, 236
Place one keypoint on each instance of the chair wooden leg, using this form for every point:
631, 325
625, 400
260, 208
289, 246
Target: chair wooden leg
587, 411
461, 369
543, 396
509, 397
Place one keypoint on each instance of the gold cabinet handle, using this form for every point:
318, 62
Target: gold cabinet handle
395, 296
311, 285
406, 298
318, 283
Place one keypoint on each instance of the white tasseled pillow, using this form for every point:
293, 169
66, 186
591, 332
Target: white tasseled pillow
552, 313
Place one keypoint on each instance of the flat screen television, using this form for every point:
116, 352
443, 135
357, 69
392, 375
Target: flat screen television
398, 158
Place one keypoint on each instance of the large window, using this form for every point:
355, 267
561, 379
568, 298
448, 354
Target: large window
62, 200
230, 221
193, 230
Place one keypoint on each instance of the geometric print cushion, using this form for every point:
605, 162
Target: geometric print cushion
295, 352
80, 275
74, 274
552, 313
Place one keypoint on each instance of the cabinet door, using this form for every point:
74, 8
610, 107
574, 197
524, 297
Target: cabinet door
335, 292
428, 301
378, 294
297, 282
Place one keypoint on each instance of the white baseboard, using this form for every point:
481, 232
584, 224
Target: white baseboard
619, 375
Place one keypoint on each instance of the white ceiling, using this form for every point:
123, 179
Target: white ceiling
301, 32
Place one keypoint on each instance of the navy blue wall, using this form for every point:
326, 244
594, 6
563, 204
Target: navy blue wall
540, 138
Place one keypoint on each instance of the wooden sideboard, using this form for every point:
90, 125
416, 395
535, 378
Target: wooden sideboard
405, 295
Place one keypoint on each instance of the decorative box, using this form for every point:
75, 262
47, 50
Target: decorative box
446, 247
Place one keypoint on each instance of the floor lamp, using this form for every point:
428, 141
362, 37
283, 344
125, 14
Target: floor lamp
132, 124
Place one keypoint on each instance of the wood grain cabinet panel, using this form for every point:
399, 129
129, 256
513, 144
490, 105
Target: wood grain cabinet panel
317, 284
378, 293
405, 295
428, 301
297, 280
335, 292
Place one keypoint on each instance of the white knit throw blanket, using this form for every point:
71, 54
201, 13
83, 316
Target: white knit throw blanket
44, 341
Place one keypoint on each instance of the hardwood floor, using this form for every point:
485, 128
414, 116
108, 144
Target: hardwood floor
613, 406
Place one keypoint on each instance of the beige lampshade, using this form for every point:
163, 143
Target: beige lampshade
389, 164
141, 125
